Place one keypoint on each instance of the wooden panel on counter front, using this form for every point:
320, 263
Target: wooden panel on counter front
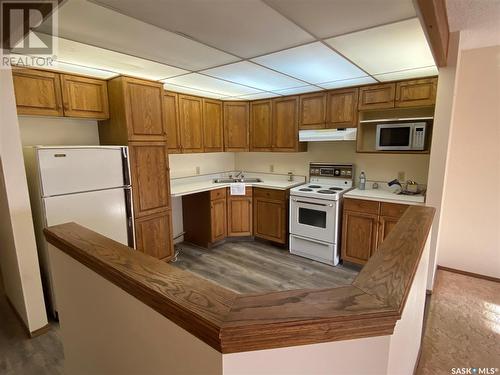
153, 235
171, 104
342, 108
312, 112
416, 93
191, 123
150, 177
84, 97
261, 126
236, 124
213, 130
377, 96
38, 93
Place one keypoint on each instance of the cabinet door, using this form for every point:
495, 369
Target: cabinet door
144, 109
386, 225
171, 105
85, 97
342, 108
377, 96
270, 219
154, 235
218, 219
191, 123
359, 236
212, 126
38, 93
239, 216
312, 111
236, 120
285, 124
150, 177
261, 132
415, 93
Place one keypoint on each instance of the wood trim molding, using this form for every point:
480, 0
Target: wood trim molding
231, 322
471, 274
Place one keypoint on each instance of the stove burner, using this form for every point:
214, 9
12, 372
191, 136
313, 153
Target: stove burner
305, 189
314, 186
327, 192
336, 189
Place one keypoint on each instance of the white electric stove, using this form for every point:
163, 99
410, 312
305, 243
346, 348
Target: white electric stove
315, 212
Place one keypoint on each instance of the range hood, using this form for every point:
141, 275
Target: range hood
326, 135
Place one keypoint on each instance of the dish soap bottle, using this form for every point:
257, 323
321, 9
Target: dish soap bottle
362, 181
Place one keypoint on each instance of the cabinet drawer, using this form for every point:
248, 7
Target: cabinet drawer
392, 209
217, 194
270, 194
359, 205
248, 193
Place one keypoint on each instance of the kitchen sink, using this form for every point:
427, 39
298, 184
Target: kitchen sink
231, 180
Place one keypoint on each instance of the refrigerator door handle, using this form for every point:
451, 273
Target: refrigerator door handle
130, 217
125, 165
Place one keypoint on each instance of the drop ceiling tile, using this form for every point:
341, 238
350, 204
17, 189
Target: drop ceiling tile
330, 18
97, 58
246, 28
190, 91
93, 24
312, 63
298, 90
254, 75
388, 48
263, 95
201, 82
347, 82
408, 74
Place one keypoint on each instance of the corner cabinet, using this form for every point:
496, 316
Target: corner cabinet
236, 124
270, 214
365, 225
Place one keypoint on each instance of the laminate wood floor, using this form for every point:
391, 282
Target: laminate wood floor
250, 266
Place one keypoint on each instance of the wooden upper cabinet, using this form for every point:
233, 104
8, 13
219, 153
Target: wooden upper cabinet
38, 93
236, 121
150, 177
312, 113
144, 109
171, 107
286, 124
377, 96
213, 131
342, 108
261, 130
191, 123
415, 93
153, 235
84, 97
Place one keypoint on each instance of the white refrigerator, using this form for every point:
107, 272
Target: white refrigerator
89, 185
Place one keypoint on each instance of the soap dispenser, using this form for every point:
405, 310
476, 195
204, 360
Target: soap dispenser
362, 181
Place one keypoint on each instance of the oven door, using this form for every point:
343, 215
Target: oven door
313, 218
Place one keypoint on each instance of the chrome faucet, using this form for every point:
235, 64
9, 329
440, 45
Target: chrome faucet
237, 175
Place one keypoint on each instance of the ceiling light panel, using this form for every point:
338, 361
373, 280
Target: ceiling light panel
253, 75
201, 82
190, 91
313, 63
93, 24
389, 48
330, 18
298, 90
246, 28
97, 58
407, 74
347, 83
264, 95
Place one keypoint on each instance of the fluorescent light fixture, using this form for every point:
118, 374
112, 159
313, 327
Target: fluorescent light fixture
409, 73
347, 82
298, 90
190, 91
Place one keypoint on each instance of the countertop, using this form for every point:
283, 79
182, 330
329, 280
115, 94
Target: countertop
197, 184
385, 196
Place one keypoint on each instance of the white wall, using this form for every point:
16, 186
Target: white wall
18, 254
183, 165
470, 222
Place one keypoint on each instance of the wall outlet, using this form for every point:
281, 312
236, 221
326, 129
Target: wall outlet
401, 176
271, 168
197, 170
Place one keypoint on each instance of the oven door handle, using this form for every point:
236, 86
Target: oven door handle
313, 203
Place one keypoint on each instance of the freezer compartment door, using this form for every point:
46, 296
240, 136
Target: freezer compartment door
73, 170
102, 211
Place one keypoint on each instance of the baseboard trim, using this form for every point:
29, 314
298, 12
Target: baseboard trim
428, 292
471, 274
29, 334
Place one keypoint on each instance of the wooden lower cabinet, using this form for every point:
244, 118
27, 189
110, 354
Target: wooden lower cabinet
153, 235
218, 219
270, 214
239, 214
365, 225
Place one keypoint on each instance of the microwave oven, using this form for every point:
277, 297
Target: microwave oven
403, 136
